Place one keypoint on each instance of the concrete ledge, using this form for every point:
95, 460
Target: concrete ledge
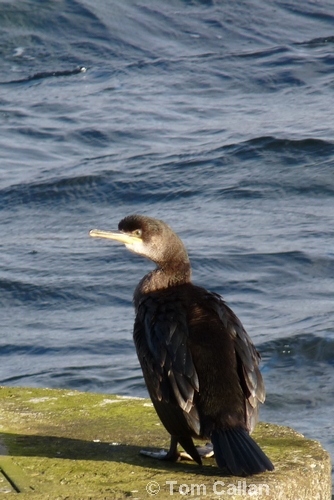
69, 445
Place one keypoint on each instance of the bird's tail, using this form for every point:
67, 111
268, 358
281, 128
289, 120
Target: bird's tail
236, 450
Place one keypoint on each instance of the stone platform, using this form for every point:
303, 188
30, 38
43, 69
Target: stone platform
58, 445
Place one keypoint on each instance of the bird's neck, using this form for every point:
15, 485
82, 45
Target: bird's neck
162, 278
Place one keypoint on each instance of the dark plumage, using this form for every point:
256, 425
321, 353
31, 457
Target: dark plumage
199, 364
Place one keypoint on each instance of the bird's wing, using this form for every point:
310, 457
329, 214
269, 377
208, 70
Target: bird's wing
160, 335
248, 360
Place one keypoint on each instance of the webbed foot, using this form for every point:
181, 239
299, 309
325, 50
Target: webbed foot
205, 451
173, 455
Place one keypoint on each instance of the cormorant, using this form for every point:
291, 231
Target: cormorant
199, 364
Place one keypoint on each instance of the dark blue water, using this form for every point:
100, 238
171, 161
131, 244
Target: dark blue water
214, 116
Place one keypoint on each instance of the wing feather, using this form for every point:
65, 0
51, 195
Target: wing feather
160, 336
248, 360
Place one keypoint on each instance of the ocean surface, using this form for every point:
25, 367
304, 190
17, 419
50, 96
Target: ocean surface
216, 117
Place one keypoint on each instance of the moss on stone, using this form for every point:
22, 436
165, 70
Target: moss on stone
72, 445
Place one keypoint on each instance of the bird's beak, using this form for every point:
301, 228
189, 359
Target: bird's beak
127, 239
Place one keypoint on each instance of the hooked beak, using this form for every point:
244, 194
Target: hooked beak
127, 239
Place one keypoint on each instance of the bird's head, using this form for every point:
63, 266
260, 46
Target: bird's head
151, 238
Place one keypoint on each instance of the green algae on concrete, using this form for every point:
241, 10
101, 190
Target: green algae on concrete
57, 444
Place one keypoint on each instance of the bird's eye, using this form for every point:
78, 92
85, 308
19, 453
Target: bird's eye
137, 233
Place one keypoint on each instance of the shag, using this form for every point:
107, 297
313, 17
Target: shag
200, 367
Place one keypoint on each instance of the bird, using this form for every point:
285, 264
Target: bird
200, 367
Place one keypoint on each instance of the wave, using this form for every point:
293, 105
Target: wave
112, 347
104, 188
318, 42
299, 350
110, 185
47, 296
278, 144
47, 74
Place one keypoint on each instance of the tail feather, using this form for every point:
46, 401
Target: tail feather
236, 450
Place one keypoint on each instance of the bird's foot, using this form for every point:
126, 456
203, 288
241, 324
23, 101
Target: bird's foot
162, 455
205, 451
